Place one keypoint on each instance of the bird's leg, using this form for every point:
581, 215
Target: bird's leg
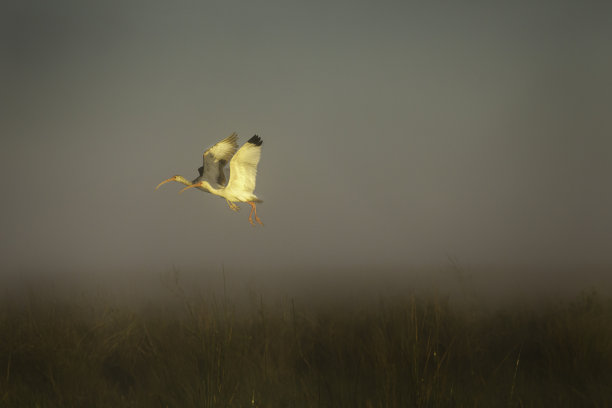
253, 210
233, 206
251, 213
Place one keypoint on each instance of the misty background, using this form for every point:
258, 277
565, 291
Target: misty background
398, 136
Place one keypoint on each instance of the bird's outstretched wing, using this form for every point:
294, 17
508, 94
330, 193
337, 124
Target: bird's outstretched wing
215, 159
243, 166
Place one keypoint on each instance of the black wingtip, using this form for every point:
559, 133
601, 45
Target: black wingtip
256, 140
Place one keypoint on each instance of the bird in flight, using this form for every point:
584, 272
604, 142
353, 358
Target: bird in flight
243, 171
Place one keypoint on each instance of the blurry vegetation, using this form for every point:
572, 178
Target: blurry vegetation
398, 352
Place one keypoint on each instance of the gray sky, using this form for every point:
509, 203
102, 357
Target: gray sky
396, 134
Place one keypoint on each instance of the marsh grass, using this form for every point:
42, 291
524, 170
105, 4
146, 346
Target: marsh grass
201, 351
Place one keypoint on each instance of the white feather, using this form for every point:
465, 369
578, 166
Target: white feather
243, 171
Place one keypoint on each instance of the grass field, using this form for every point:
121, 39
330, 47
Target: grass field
397, 351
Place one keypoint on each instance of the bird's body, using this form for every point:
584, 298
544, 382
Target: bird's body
243, 172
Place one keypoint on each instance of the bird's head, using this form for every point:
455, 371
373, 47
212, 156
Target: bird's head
178, 178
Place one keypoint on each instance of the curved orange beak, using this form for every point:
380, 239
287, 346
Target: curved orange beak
191, 186
164, 182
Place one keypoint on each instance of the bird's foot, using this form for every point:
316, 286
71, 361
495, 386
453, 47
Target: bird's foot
256, 219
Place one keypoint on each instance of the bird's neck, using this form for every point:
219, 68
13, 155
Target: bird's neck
183, 180
206, 185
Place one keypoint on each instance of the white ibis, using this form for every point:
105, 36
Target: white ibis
243, 171
215, 159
